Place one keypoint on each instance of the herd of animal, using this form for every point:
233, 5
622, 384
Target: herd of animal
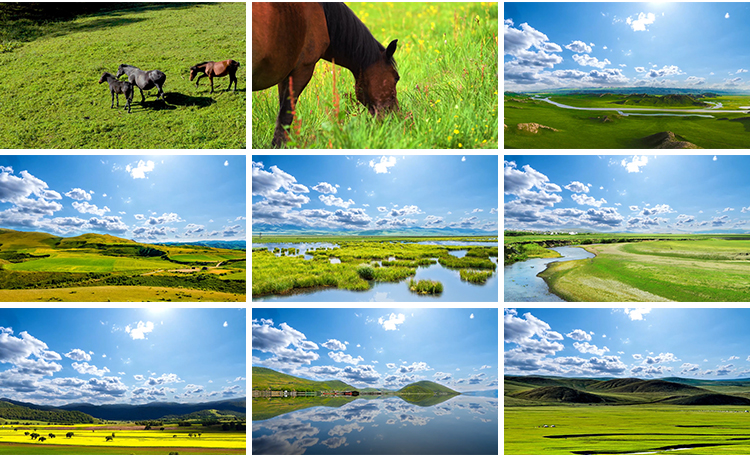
146, 80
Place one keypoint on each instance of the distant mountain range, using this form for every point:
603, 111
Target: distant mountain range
225, 244
630, 90
135, 412
405, 231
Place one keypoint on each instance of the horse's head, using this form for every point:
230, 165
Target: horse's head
104, 77
375, 86
121, 70
193, 72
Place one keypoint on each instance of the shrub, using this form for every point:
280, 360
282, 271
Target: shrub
425, 287
366, 272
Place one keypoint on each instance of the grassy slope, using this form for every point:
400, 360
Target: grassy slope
61, 105
427, 387
586, 129
707, 270
263, 378
447, 60
122, 293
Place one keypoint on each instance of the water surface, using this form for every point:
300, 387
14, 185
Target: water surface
522, 284
383, 425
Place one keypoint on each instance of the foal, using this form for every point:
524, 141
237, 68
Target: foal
216, 69
118, 87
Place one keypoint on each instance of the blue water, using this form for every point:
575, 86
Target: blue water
522, 284
383, 425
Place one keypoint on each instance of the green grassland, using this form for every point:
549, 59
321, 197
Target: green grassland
608, 129
265, 379
447, 61
557, 415
361, 262
42, 267
706, 270
52, 99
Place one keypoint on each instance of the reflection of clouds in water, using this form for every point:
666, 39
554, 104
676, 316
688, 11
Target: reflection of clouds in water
340, 430
284, 432
414, 420
443, 410
390, 421
334, 442
358, 410
381, 297
485, 420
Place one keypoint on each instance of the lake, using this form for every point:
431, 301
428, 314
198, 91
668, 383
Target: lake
381, 425
522, 284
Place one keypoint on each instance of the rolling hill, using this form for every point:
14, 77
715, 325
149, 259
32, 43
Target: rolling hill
17, 411
154, 411
425, 387
264, 378
560, 395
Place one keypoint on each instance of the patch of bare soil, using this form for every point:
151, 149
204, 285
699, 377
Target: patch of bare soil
667, 140
534, 127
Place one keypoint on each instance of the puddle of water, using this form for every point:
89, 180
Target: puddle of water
522, 284
458, 253
334, 260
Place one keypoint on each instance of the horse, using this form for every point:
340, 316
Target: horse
118, 87
216, 69
144, 80
290, 38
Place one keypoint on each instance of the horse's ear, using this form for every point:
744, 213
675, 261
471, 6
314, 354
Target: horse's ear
391, 49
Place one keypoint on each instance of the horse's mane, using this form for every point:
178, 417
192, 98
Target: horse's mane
349, 36
201, 63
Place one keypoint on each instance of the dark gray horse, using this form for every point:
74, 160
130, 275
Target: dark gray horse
144, 80
118, 87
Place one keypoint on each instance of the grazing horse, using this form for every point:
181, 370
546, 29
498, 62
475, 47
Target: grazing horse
216, 69
144, 80
290, 38
118, 87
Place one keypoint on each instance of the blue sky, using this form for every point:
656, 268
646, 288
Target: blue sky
380, 347
120, 355
662, 44
144, 198
635, 342
360, 193
641, 193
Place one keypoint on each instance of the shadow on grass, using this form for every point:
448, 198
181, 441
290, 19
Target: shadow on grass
745, 121
171, 101
25, 22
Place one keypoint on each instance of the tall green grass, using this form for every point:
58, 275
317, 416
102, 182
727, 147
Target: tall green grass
447, 59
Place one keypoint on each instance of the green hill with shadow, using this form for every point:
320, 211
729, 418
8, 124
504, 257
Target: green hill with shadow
425, 387
264, 378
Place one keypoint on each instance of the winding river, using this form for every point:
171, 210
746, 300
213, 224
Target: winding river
521, 281
663, 111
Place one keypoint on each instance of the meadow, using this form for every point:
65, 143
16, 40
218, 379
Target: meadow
52, 98
608, 129
354, 265
625, 416
447, 61
126, 438
704, 270
42, 267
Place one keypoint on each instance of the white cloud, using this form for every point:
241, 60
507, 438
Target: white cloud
637, 313
226, 163
643, 20
78, 194
325, 187
78, 355
579, 47
86, 368
140, 330
340, 357
635, 164
140, 169
577, 187
471, 316
385, 163
584, 199
579, 335
333, 344
585, 60
392, 322
330, 200
225, 324
726, 16
585, 347
86, 208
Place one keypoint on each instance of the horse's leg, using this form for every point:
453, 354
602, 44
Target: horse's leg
113, 99
232, 78
117, 99
143, 99
300, 78
198, 80
211, 79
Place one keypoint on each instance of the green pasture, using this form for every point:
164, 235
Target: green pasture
91, 262
700, 270
586, 429
122, 293
607, 129
52, 98
214, 257
447, 60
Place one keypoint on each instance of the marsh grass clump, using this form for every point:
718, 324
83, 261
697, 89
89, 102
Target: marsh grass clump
366, 272
466, 262
475, 277
425, 287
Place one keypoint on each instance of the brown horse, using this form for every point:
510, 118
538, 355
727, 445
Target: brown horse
216, 69
290, 38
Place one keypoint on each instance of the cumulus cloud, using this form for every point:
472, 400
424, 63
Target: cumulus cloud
78, 355
78, 194
585, 60
382, 166
340, 357
639, 23
334, 344
636, 314
578, 47
579, 335
86, 368
584, 199
577, 187
325, 188
635, 164
139, 330
139, 170
393, 321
